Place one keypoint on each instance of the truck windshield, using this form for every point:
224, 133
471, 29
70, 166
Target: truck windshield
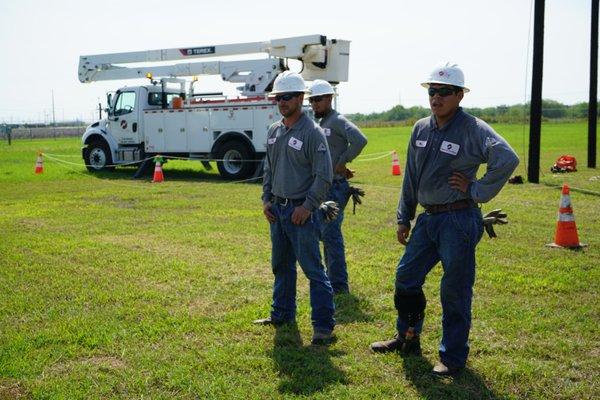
155, 99
125, 103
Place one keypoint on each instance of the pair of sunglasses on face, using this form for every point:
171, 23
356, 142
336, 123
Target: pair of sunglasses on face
442, 91
286, 96
315, 99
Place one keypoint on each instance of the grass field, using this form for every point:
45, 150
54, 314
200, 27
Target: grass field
114, 288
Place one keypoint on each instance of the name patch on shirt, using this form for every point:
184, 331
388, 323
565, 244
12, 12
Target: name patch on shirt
421, 143
271, 140
295, 143
449, 148
327, 131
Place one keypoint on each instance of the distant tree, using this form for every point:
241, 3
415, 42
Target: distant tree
551, 110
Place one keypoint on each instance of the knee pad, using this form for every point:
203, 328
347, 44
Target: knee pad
411, 307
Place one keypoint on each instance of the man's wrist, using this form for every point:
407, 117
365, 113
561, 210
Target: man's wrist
404, 223
308, 206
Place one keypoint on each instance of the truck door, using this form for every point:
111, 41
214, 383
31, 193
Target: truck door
124, 118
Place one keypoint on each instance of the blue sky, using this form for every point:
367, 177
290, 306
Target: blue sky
394, 46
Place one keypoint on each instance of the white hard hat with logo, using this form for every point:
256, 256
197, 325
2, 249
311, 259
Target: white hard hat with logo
320, 88
288, 82
448, 74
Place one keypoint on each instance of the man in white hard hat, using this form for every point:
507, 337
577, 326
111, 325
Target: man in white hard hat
297, 176
444, 154
346, 142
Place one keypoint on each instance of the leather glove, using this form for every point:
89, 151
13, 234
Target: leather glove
494, 217
356, 194
330, 210
349, 173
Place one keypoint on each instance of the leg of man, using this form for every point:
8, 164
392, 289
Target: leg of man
305, 242
333, 240
418, 259
459, 233
283, 263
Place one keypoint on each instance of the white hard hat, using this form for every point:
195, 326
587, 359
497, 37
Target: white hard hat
288, 82
320, 88
448, 74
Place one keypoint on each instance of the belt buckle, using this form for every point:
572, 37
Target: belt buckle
285, 203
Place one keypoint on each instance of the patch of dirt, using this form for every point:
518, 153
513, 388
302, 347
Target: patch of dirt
12, 390
100, 362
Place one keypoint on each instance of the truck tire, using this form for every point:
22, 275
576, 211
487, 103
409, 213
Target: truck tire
230, 164
98, 157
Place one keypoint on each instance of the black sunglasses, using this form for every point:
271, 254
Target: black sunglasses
287, 96
315, 99
443, 91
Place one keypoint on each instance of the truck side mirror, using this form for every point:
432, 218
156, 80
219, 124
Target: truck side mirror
109, 104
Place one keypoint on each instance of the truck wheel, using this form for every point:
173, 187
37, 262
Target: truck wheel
98, 156
233, 162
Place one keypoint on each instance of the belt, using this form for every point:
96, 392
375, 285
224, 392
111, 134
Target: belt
284, 201
457, 205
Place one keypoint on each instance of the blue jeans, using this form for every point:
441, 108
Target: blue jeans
449, 237
333, 240
291, 243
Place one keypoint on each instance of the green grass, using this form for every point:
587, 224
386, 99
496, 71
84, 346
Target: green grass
111, 287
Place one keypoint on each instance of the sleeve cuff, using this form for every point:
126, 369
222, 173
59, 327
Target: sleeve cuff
308, 206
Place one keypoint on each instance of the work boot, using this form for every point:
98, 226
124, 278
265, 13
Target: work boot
440, 369
269, 321
322, 338
399, 344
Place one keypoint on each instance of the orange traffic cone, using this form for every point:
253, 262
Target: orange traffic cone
39, 164
158, 173
566, 231
395, 164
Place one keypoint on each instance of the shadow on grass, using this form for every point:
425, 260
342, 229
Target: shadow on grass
466, 385
348, 309
179, 174
303, 370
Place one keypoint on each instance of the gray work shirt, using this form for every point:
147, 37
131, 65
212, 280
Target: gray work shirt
462, 145
345, 140
298, 163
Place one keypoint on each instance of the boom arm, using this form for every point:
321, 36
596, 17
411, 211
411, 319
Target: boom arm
322, 58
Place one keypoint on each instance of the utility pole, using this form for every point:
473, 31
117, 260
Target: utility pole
53, 117
593, 100
535, 115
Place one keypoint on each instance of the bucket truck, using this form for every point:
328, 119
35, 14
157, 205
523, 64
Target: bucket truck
159, 118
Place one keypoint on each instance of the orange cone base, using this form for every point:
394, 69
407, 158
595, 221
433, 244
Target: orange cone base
158, 177
576, 247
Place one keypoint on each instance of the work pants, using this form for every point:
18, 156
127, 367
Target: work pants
449, 237
291, 243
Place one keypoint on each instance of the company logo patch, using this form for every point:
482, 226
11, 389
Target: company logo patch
421, 143
271, 140
327, 131
322, 147
295, 143
449, 148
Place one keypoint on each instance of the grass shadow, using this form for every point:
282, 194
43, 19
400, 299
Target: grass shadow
179, 174
303, 370
466, 385
348, 308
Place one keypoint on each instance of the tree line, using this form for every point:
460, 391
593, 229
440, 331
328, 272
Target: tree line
517, 113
